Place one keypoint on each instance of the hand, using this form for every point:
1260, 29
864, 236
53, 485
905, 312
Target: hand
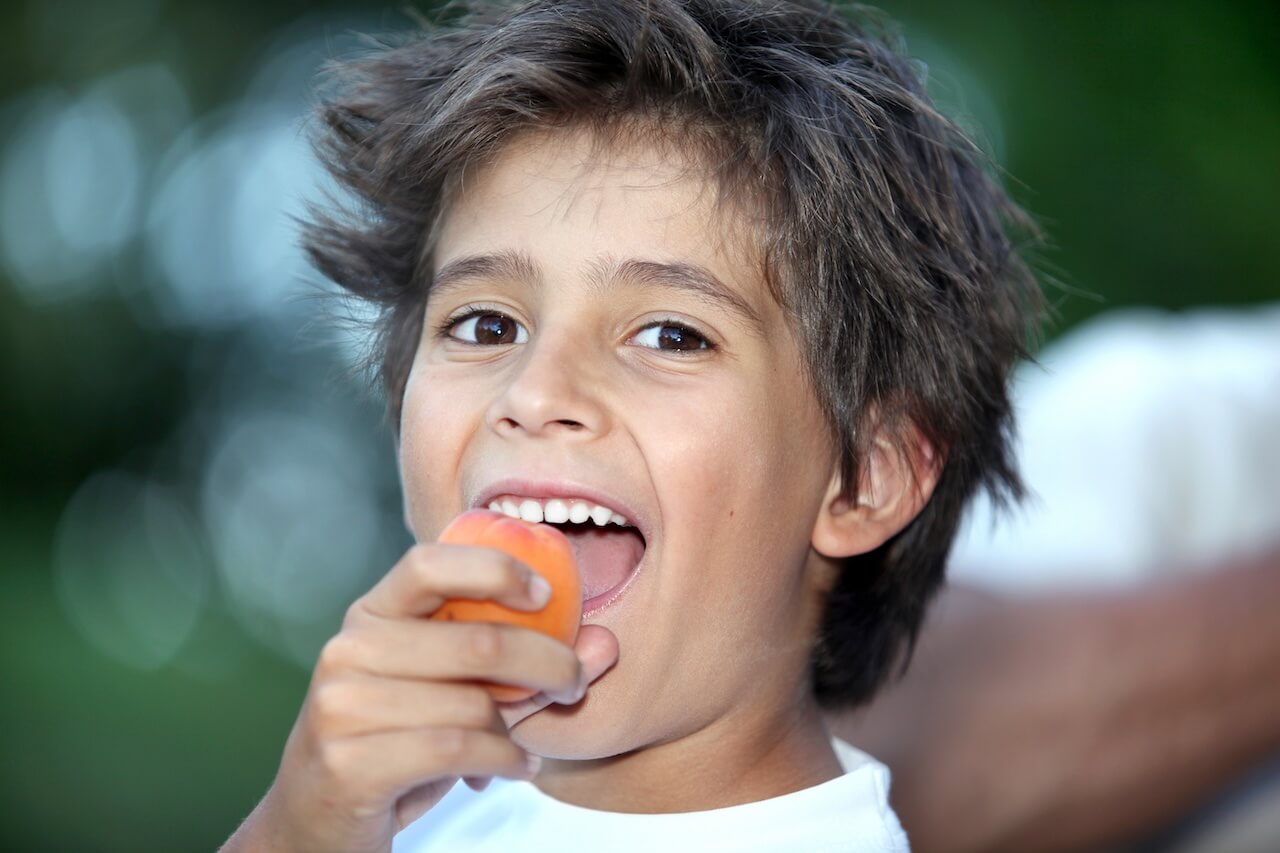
394, 716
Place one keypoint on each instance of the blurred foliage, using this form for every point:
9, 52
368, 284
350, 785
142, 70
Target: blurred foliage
1143, 135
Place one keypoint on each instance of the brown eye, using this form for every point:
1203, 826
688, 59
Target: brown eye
488, 328
671, 337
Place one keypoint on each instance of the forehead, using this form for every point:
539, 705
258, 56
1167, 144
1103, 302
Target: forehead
574, 197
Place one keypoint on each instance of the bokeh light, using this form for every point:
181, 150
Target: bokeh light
72, 177
220, 230
131, 568
292, 505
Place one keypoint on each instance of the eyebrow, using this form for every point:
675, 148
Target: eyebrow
683, 277
679, 276
509, 265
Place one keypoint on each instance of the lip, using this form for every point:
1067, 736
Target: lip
566, 489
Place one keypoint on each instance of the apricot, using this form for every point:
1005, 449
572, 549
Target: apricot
543, 549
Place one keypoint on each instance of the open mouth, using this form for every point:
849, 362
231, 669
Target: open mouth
607, 558
608, 549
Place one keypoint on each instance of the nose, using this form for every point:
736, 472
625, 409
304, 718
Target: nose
551, 391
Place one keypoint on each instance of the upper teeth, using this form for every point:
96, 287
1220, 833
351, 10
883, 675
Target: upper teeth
557, 511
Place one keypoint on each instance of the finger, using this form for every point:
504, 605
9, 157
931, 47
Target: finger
597, 649
421, 800
451, 651
385, 766
426, 575
362, 705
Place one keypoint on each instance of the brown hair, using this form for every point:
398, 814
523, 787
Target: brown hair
883, 234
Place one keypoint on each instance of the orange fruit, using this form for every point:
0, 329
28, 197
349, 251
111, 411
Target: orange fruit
543, 549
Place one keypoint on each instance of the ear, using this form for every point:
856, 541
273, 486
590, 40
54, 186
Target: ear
895, 482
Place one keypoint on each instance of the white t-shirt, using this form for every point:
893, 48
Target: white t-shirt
850, 814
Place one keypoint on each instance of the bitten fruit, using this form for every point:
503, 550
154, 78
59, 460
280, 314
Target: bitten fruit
540, 547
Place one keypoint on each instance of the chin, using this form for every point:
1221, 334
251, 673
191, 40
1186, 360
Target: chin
592, 729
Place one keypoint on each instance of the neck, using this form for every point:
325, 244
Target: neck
751, 755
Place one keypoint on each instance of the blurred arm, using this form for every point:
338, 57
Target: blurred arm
1065, 722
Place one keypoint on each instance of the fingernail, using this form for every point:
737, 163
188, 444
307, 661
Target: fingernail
533, 763
539, 589
581, 689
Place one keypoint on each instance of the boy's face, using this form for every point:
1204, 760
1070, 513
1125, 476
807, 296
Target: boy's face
600, 330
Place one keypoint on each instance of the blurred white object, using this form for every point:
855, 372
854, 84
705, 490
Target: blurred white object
1150, 441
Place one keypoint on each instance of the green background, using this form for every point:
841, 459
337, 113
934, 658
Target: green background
1143, 135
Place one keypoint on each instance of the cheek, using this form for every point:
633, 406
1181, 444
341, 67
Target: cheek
433, 428
747, 475
730, 477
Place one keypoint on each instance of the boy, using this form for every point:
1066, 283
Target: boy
715, 275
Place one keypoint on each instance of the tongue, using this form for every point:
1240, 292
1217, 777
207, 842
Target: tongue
606, 555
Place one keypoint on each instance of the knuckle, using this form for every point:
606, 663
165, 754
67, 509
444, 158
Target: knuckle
336, 655
330, 707
334, 758
475, 707
353, 613
446, 745
482, 648
419, 563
